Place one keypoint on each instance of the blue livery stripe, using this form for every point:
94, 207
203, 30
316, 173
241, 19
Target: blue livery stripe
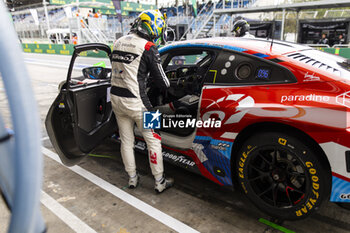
260, 55
238, 49
204, 45
217, 157
204, 138
150, 15
340, 190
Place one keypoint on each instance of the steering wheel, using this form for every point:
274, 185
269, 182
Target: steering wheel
21, 158
188, 82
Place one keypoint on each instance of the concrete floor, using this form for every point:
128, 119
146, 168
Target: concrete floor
194, 201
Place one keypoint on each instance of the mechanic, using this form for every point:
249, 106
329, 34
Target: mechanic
241, 29
341, 39
134, 57
324, 39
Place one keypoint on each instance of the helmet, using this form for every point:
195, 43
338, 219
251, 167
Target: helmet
179, 60
151, 24
240, 27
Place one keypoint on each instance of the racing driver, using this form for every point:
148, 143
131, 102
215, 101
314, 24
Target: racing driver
241, 29
134, 57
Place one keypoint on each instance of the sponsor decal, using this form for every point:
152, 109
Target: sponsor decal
242, 160
155, 120
243, 187
220, 146
217, 162
123, 57
198, 149
311, 77
128, 45
153, 157
140, 145
245, 103
282, 141
311, 97
175, 158
183, 160
315, 186
344, 196
340, 188
344, 99
64, 52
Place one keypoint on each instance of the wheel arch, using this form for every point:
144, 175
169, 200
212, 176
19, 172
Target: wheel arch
275, 127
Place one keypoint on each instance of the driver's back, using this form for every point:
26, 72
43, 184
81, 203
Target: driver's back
133, 58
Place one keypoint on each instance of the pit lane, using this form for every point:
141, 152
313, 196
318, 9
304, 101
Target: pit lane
85, 205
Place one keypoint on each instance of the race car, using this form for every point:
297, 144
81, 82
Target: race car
267, 117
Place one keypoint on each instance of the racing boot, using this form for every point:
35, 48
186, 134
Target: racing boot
163, 184
133, 181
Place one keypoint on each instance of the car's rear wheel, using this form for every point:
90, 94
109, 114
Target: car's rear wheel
282, 175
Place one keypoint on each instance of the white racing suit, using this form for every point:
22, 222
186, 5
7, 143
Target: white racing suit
133, 59
248, 35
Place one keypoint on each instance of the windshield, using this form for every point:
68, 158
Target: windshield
324, 61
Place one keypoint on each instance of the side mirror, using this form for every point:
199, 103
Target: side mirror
96, 72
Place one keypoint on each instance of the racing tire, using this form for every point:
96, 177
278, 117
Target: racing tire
283, 176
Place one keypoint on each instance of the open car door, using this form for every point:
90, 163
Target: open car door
81, 116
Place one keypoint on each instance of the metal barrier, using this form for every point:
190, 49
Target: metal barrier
341, 46
58, 49
318, 45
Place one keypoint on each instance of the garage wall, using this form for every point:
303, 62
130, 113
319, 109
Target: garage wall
59, 49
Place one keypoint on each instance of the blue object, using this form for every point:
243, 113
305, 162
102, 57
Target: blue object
151, 120
21, 163
263, 73
340, 189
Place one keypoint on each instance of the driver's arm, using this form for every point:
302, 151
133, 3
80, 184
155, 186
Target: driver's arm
153, 61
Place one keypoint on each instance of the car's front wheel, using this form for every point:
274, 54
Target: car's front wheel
282, 175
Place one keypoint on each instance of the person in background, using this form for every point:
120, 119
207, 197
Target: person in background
134, 57
90, 14
241, 29
77, 13
75, 38
66, 39
97, 14
341, 39
53, 38
324, 39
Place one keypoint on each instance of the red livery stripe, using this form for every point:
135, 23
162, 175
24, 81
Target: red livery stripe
149, 45
155, 135
171, 106
341, 177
